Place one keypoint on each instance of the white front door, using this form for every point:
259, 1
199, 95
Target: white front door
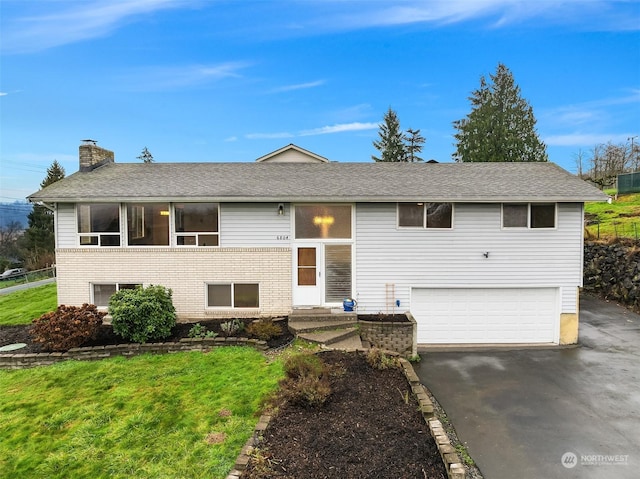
307, 274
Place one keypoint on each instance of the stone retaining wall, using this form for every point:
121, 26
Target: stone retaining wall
29, 360
400, 337
612, 271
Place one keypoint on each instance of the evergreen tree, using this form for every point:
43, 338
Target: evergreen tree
413, 145
501, 125
38, 243
391, 143
145, 156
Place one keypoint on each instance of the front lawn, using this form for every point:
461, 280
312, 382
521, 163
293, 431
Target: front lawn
22, 307
183, 415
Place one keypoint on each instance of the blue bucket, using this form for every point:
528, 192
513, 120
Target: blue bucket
349, 304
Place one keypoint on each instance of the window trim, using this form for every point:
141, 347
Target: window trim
178, 234
117, 284
97, 234
424, 225
232, 285
529, 212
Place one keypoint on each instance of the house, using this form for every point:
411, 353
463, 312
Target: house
478, 252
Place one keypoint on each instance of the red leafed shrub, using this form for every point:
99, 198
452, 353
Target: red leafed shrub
67, 327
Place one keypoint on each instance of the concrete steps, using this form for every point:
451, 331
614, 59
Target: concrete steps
332, 330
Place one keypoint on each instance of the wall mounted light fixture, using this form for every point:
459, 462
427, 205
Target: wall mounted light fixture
281, 209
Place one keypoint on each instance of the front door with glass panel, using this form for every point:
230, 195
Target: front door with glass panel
322, 274
307, 289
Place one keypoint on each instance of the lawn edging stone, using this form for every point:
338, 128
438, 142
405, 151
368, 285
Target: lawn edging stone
452, 462
94, 353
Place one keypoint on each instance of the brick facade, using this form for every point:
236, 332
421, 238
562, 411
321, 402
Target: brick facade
185, 270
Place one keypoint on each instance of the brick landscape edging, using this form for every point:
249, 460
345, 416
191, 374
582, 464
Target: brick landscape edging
93, 353
452, 463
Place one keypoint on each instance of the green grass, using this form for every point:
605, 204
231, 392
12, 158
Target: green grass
21, 307
144, 417
621, 218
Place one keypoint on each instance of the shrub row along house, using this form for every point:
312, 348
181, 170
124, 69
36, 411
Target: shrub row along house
478, 252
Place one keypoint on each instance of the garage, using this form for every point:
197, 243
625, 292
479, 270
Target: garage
485, 315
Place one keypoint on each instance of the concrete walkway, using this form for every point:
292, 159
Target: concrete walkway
520, 412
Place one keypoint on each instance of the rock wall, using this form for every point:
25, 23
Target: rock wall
612, 271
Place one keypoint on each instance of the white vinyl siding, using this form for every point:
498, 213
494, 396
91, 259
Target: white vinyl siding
404, 258
67, 235
254, 224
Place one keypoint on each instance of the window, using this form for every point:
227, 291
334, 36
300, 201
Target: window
529, 215
99, 224
323, 221
234, 295
148, 224
103, 292
196, 224
425, 215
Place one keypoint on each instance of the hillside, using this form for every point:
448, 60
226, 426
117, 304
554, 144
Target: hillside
621, 218
17, 211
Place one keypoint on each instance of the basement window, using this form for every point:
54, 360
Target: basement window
233, 295
101, 293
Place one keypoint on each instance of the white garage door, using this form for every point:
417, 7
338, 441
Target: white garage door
485, 315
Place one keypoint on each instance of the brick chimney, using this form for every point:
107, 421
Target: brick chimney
92, 156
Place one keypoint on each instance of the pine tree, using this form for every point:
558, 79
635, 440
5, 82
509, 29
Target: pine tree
391, 143
38, 243
145, 156
414, 142
501, 125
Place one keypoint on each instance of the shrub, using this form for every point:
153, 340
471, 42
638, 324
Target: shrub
264, 330
67, 327
232, 327
143, 314
307, 392
379, 360
307, 382
200, 331
304, 365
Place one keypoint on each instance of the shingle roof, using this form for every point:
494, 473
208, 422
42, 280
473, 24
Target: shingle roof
300, 182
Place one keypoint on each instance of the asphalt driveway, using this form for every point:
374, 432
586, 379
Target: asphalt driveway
520, 412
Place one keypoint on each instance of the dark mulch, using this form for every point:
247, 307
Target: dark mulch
365, 430
106, 336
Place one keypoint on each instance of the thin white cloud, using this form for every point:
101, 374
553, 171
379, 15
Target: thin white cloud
299, 86
180, 76
2, 93
585, 139
81, 20
231, 139
592, 15
323, 130
341, 128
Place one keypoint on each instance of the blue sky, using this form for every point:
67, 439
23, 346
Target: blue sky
233, 80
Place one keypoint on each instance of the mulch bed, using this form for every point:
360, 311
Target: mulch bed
365, 430
106, 336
